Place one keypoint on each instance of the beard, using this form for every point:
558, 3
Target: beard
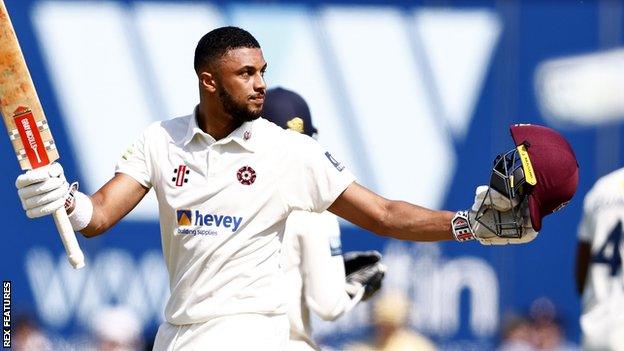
239, 112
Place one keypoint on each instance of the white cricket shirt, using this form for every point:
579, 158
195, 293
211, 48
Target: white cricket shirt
315, 274
223, 206
603, 227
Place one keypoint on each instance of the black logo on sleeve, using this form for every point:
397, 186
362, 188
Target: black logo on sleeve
333, 161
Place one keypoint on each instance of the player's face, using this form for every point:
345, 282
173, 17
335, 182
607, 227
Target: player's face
241, 85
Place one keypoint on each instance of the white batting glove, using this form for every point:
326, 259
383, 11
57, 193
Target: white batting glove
42, 190
494, 200
466, 227
487, 237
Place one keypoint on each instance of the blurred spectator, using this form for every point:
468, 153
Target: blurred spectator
28, 336
517, 335
541, 331
117, 329
547, 332
390, 314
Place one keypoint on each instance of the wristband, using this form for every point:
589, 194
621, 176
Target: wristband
82, 213
461, 227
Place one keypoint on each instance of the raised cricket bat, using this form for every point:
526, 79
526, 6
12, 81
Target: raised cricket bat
27, 125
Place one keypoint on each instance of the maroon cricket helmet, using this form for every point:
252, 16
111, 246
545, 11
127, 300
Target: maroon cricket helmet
554, 166
539, 175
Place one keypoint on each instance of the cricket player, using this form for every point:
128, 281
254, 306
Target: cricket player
226, 181
312, 250
599, 264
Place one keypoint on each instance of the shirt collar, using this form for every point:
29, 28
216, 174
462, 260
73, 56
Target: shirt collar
242, 135
193, 128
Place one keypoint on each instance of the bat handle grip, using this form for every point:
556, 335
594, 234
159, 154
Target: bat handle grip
68, 237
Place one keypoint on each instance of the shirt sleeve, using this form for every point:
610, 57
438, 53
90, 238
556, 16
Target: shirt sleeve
135, 162
322, 265
315, 178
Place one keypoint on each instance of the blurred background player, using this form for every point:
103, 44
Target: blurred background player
390, 318
517, 334
312, 250
599, 264
547, 332
116, 329
28, 335
540, 330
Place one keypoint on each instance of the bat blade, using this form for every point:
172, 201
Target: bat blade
27, 125
19, 104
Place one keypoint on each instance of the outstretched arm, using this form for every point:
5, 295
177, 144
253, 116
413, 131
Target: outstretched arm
397, 219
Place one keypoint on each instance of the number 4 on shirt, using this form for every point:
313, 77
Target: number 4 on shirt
610, 253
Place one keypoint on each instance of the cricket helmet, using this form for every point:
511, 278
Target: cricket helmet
538, 177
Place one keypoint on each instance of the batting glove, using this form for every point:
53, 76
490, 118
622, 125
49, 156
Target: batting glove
499, 209
495, 200
42, 190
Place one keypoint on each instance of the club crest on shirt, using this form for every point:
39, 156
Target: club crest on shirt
180, 175
246, 175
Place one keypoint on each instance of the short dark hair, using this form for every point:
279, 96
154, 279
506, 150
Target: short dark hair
218, 42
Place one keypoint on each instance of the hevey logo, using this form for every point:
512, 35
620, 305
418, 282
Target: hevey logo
200, 220
184, 217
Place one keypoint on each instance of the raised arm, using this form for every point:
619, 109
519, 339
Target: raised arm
112, 202
397, 219
44, 190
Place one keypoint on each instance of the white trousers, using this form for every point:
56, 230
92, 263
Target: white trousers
243, 332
